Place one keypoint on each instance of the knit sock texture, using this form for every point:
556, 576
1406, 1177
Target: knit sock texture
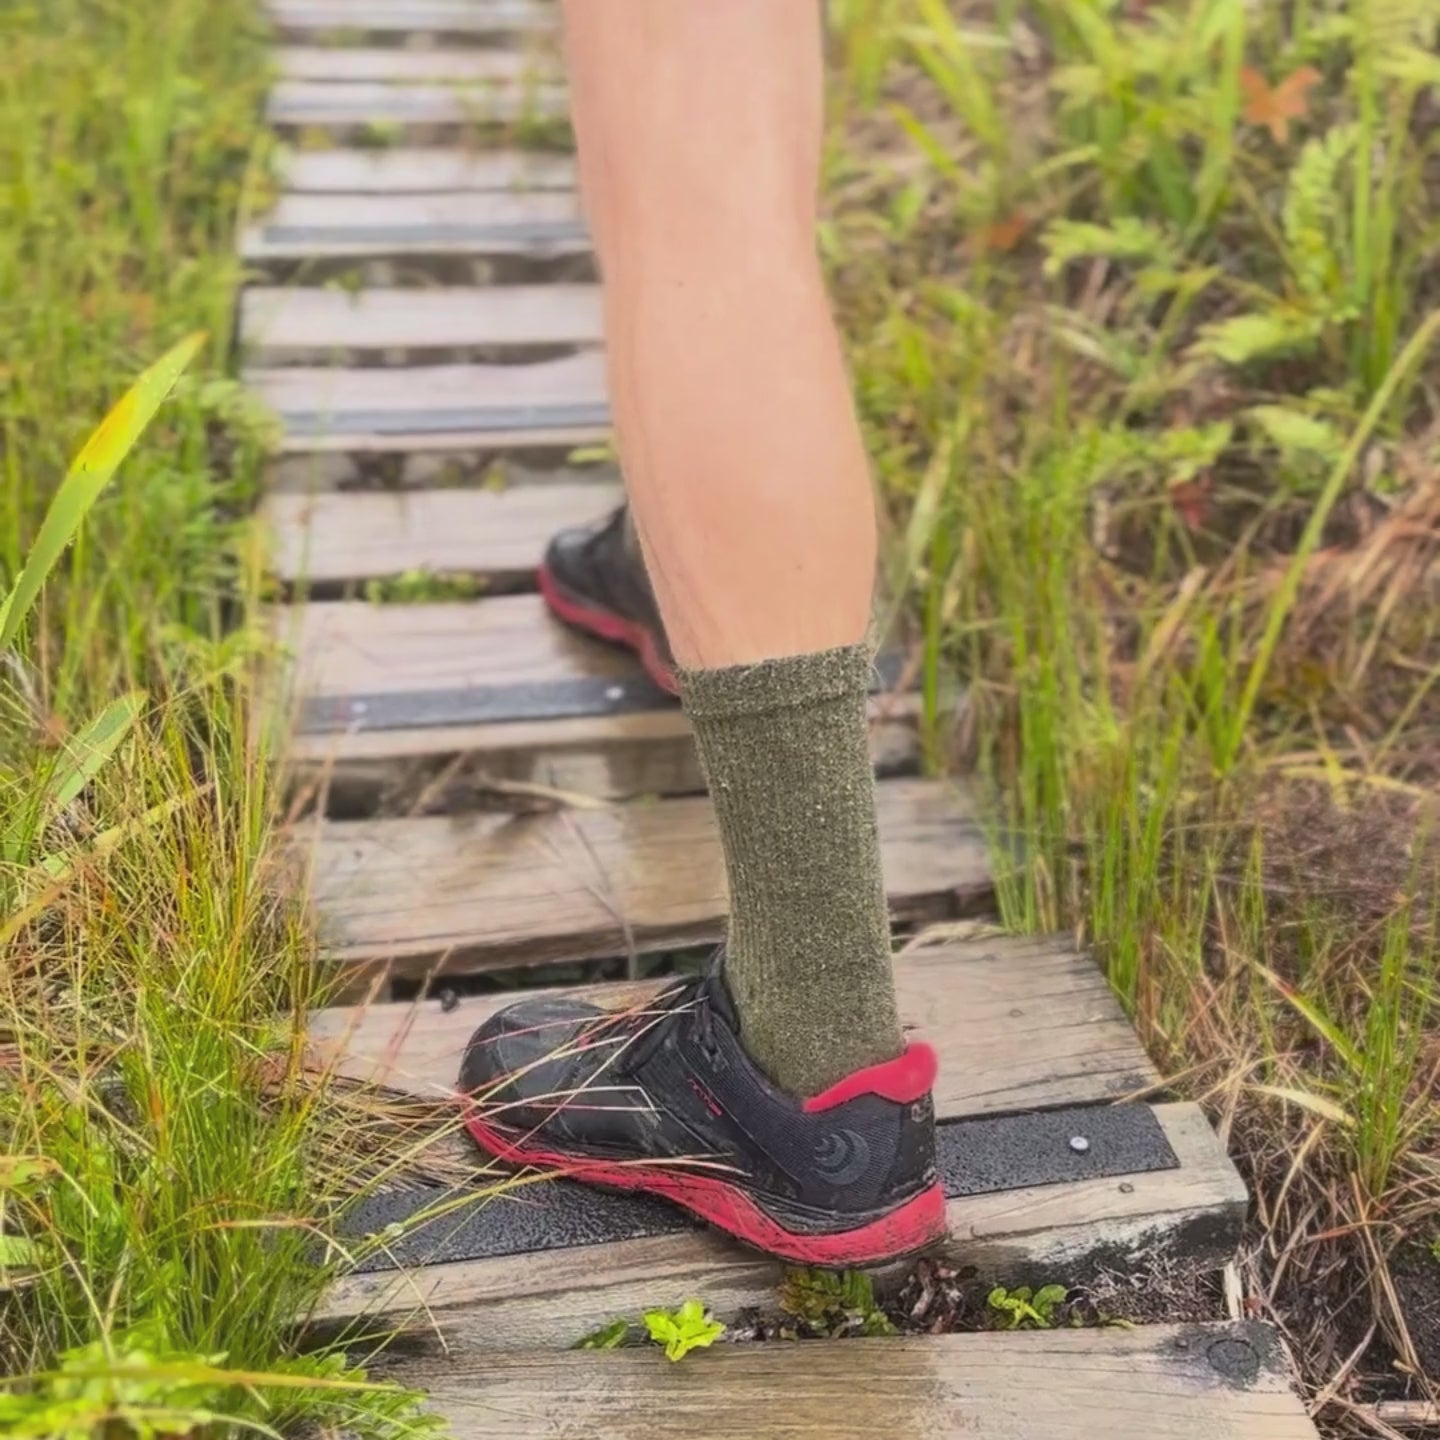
785, 749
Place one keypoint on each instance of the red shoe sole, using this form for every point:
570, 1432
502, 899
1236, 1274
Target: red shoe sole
911, 1228
607, 625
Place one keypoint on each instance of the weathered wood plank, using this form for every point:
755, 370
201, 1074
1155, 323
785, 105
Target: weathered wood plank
1019, 1024
350, 648
291, 325
471, 892
605, 757
445, 468
398, 170
498, 535
390, 65
344, 649
499, 19
1192, 1382
554, 403
544, 223
1191, 1216
360, 105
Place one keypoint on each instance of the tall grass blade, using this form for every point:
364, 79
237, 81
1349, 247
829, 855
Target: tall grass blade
89, 473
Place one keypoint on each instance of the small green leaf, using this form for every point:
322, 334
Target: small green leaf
683, 1330
17, 1251
1245, 338
1127, 239
607, 1337
1293, 431
23, 1172
86, 753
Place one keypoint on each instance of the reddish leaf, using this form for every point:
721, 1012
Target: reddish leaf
1003, 235
1276, 106
1191, 499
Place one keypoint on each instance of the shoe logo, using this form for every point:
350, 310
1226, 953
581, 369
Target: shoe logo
842, 1157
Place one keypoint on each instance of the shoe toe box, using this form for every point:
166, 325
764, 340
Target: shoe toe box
532, 1046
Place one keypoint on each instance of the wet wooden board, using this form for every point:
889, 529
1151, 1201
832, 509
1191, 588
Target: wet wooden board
499, 536
342, 649
295, 324
1190, 1217
362, 105
398, 170
478, 891
1214, 1382
423, 470
1019, 1024
550, 403
389, 64
499, 224
324, 19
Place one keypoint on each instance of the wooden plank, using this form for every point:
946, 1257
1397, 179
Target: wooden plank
606, 757
1189, 1217
390, 65
398, 170
344, 649
296, 324
360, 105
497, 19
427, 469
477, 891
541, 223
553, 403
353, 648
1019, 1023
498, 535
1186, 1382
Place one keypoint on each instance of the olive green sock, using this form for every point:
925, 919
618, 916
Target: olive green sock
785, 748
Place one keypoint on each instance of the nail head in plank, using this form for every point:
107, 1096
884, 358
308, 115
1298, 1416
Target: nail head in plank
276, 324
553, 402
478, 891
390, 64
1019, 1024
499, 223
498, 535
1190, 1217
1194, 1382
296, 104
398, 170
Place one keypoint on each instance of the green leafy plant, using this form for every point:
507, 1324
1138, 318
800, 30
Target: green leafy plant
423, 587
691, 1327
1024, 1308
607, 1337
827, 1303
679, 1331
137, 1387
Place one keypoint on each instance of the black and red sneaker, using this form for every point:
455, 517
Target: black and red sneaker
595, 580
663, 1098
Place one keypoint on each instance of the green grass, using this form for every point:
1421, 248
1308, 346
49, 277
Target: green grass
173, 1167
1151, 395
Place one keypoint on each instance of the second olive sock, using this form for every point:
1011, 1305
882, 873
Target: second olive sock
785, 748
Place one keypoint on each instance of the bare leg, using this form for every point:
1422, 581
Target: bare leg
783, 1070
699, 126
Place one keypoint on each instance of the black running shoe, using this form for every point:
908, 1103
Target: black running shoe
663, 1098
595, 580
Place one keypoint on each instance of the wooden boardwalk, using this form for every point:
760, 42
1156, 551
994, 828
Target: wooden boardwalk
497, 793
